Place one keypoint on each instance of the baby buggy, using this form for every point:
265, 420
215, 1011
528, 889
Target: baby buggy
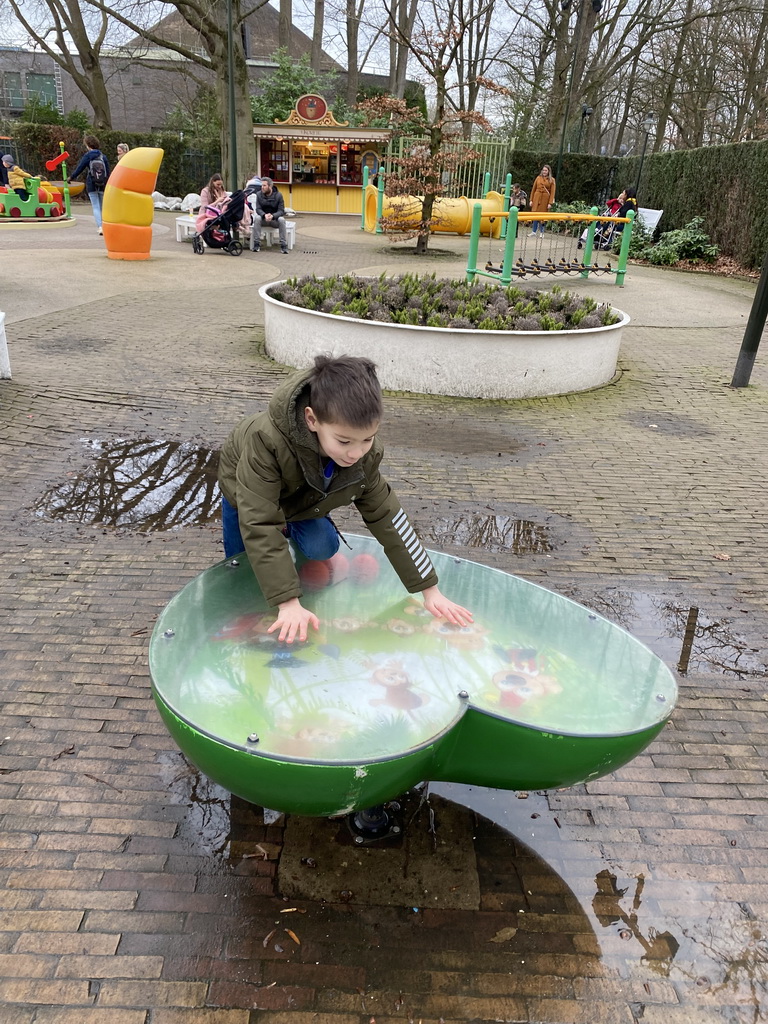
217, 231
605, 231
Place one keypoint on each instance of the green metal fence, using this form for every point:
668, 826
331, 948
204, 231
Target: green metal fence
467, 180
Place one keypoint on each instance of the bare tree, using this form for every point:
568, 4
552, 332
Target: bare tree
285, 24
73, 37
317, 35
206, 47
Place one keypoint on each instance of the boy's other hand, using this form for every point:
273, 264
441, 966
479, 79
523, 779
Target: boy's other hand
442, 608
292, 620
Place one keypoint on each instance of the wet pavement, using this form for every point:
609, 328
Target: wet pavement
135, 891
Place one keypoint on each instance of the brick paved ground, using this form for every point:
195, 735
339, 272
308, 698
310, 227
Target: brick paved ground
135, 892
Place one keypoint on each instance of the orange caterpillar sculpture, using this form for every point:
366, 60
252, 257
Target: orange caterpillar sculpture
127, 208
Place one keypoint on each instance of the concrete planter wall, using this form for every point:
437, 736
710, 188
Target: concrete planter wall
438, 361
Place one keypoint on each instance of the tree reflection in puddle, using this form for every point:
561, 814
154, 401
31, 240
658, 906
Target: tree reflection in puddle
491, 533
684, 636
148, 484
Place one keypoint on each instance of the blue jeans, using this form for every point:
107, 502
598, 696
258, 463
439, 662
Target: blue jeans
95, 198
315, 538
538, 225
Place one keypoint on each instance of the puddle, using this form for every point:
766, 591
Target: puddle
547, 895
491, 533
685, 636
649, 925
147, 484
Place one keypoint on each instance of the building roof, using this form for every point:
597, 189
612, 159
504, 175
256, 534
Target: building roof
261, 35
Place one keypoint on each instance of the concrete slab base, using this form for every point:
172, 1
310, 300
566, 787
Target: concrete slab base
431, 866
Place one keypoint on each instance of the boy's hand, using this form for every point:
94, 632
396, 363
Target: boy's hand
442, 608
293, 618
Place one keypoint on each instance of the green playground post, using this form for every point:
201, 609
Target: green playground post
380, 204
474, 242
626, 238
67, 207
509, 248
365, 187
590, 242
505, 206
486, 184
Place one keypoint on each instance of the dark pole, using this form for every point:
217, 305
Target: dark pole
755, 325
233, 182
642, 158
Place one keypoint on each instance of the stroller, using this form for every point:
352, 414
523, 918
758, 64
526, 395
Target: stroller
605, 231
217, 232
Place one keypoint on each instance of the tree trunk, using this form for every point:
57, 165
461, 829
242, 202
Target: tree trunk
673, 78
243, 121
432, 180
285, 24
353, 32
317, 35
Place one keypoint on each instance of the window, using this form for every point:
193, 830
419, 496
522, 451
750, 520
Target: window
274, 160
12, 97
42, 88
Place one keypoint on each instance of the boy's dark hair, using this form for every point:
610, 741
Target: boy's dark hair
345, 390
631, 192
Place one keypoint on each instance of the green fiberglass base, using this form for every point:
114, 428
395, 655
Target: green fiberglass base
538, 693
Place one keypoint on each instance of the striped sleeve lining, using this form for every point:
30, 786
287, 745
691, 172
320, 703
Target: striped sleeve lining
412, 544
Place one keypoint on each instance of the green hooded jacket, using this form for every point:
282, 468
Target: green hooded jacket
271, 471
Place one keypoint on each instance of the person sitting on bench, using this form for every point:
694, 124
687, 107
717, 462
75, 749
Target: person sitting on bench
268, 212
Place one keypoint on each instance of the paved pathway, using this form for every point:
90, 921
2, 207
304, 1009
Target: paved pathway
135, 892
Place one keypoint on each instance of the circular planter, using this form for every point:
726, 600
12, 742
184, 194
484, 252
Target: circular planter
442, 361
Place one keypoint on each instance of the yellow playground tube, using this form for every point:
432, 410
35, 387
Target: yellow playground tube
127, 207
454, 215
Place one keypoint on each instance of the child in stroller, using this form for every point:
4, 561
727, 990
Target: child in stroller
216, 225
605, 232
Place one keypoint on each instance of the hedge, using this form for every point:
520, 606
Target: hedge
183, 169
726, 185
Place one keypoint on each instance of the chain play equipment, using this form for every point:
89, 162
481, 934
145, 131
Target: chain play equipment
526, 265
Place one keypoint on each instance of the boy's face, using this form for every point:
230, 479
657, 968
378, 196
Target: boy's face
344, 444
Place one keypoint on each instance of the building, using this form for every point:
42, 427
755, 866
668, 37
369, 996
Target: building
146, 82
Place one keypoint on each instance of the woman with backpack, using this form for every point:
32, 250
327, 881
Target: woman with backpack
98, 172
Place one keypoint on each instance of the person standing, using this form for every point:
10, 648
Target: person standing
542, 196
122, 149
97, 165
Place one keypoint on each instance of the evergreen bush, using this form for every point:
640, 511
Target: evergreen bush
423, 300
689, 243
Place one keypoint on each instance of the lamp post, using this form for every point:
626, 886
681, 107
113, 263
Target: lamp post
648, 124
586, 113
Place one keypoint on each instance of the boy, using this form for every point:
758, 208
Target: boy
281, 472
16, 177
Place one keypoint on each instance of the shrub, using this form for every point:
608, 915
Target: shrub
427, 302
689, 243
